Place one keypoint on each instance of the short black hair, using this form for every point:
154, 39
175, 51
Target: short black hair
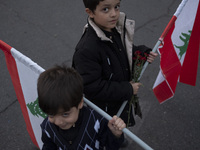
91, 4
59, 87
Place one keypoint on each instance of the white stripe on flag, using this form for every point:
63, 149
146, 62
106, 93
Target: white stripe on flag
28, 72
24, 73
183, 24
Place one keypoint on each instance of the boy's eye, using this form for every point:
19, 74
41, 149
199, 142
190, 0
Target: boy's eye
105, 9
65, 114
117, 7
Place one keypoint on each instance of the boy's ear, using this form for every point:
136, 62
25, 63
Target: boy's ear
80, 105
89, 12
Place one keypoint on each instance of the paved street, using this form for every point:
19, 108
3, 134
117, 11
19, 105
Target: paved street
48, 31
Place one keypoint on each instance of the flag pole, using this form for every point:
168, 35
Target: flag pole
160, 40
125, 130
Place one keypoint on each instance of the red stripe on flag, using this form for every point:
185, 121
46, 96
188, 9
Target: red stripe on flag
169, 61
170, 66
189, 68
169, 26
163, 92
12, 68
5, 47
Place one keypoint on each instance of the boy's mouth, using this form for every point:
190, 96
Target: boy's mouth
113, 21
63, 126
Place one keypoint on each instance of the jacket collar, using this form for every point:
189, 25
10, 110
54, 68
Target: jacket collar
100, 33
126, 36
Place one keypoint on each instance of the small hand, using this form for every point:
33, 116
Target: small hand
135, 87
151, 57
116, 126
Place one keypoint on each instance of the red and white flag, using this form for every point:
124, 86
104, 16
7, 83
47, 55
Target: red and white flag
24, 74
179, 51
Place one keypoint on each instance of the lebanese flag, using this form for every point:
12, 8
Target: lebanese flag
179, 51
24, 74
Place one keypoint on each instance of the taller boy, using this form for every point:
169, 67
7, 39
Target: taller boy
103, 56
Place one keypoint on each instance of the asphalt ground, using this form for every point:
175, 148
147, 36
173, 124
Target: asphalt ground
48, 31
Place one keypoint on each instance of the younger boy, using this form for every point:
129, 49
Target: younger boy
69, 124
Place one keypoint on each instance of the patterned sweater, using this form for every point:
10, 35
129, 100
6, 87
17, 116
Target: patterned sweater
93, 134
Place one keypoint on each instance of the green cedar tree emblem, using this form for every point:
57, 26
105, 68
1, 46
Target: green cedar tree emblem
185, 38
35, 109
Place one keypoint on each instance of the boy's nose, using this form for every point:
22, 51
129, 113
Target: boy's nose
58, 121
113, 12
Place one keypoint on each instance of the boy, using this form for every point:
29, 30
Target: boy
69, 124
103, 56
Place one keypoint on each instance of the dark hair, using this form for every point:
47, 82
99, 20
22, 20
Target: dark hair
91, 4
59, 88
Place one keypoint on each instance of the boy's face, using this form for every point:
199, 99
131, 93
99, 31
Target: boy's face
65, 120
106, 14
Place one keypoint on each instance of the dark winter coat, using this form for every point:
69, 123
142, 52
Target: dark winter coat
105, 61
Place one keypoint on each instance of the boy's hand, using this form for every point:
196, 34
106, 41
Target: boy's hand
116, 126
135, 87
151, 57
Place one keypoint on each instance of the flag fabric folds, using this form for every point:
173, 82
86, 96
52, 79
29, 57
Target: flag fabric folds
179, 50
24, 73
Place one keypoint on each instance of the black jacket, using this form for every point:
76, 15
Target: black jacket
105, 65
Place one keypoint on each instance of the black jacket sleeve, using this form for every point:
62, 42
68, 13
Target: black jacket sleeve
108, 139
89, 64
